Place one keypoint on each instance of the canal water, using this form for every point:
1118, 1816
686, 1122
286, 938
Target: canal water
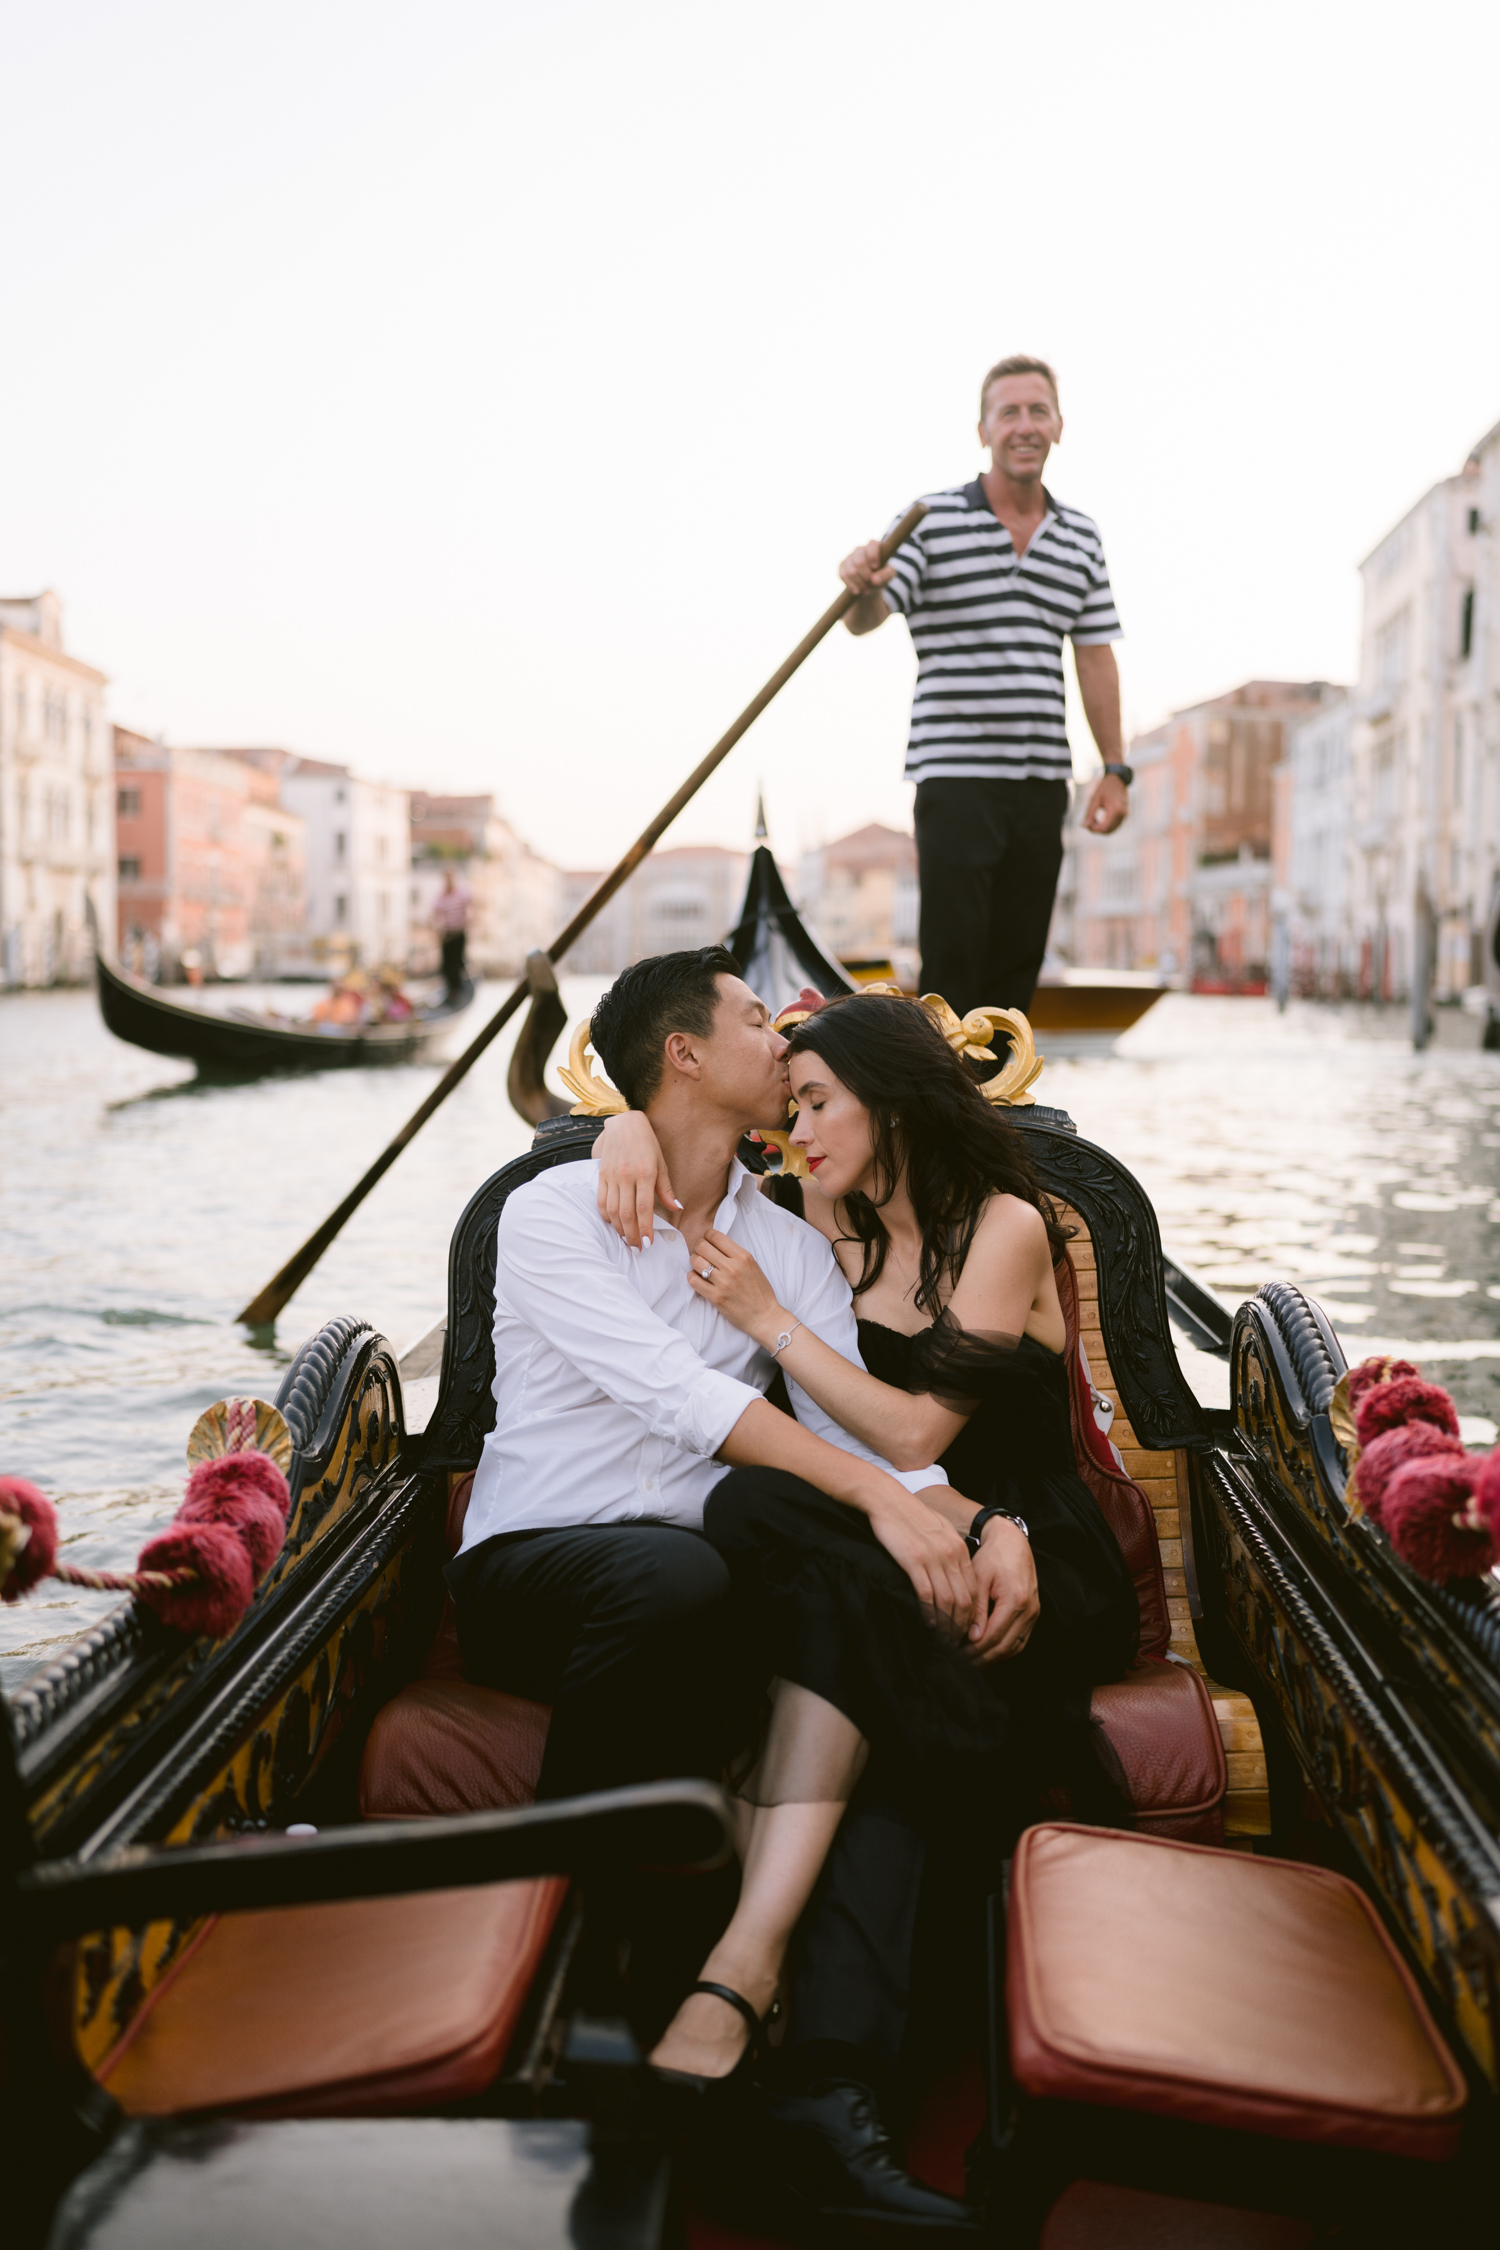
140, 1209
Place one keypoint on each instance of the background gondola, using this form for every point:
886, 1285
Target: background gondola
243, 1045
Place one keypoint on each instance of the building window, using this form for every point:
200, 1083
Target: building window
1466, 626
130, 871
128, 804
339, 844
340, 908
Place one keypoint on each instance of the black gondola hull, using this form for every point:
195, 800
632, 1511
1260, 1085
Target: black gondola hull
224, 1047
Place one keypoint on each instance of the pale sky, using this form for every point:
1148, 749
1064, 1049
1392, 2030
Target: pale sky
485, 394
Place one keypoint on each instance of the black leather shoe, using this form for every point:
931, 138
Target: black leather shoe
832, 2157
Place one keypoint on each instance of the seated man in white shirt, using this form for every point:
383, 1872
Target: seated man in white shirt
621, 1397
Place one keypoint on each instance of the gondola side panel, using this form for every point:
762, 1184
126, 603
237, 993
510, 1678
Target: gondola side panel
1390, 1717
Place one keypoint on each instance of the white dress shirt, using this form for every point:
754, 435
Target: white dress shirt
614, 1384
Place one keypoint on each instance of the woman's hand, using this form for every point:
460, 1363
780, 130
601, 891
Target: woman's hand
934, 1558
633, 1183
1008, 1604
727, 1277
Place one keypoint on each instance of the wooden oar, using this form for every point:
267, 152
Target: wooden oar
269, 1302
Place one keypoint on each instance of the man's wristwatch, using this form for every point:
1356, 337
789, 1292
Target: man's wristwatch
1122, 773
975, 1531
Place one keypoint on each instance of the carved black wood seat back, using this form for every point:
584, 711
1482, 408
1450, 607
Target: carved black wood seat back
1158, 1403
465, 1412
1127, 1248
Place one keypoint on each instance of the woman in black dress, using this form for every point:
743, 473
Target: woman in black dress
931, 1206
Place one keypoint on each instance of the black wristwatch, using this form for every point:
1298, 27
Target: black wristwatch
1122, 773
975, 1531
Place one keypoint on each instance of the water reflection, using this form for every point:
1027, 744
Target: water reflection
1309, 1146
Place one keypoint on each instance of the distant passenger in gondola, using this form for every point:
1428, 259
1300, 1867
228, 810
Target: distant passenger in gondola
450, 919
993, 580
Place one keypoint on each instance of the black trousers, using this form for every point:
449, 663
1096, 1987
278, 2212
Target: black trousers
455, 943
988, 858
624, 1629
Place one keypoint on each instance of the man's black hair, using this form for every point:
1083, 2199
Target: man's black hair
646, 1004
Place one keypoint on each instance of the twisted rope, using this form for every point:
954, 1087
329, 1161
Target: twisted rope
121, 1581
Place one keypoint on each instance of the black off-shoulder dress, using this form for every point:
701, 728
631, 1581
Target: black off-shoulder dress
956, 1744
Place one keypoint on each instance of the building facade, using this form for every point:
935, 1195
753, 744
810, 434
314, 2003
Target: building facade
357, 859
1185, 886
57, 843
676, 899
516, 895
1311, 852
1423, 828
861, 895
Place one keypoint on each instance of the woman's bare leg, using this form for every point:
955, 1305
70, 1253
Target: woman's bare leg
812, 1759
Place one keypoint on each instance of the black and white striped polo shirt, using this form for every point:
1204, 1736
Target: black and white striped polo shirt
988, 629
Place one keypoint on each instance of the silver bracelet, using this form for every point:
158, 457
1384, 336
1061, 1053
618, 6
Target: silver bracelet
784, 1339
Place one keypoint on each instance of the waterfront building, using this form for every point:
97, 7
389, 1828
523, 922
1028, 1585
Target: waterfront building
676, 899
860, 893
210, 864
1311, 851
57, 841
182, 878
357, 861
1185, 886
1423, 832
516, 895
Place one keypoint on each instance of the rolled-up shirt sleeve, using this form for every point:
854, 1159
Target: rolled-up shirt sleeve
559, 1271
824, 1304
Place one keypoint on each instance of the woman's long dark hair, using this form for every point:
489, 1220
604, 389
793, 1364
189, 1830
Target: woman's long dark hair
927, 1116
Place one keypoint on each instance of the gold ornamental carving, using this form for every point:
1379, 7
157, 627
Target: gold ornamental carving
971, 1037
595, 1096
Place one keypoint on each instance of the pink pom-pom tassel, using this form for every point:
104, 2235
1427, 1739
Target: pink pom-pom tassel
224, 1586
1424, 1514
36, 1558
244, 1493
1407, 1399
1391, 1451
1372, 1371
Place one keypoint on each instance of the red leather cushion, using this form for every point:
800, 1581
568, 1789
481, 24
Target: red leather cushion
1153, 1975
1160, 1719
359, 2009
444, 1746
1125, 1507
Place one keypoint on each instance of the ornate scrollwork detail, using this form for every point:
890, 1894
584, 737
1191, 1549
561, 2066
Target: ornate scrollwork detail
596, 1096
971, 1038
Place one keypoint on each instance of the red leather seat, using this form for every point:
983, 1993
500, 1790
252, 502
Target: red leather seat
1160, 1721
1212, 1986
1160, 1717
443, 1745
371, 2006
353, 2010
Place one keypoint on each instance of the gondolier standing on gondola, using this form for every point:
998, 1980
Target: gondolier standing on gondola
450, 919
993, 580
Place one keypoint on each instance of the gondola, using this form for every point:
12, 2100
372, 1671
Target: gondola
240, 1044
415, 2023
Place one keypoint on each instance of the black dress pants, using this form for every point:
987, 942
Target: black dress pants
623, 1628
455, 944
988, 858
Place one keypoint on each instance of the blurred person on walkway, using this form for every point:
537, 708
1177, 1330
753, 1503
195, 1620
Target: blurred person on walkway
993, 580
